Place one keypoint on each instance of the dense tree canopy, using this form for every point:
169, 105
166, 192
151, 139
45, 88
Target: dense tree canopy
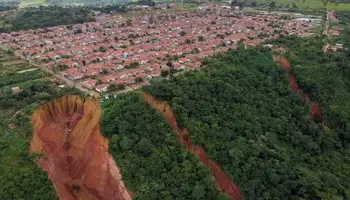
153, 163
20, 177
325, 77
41, 17
33, 18
241, 110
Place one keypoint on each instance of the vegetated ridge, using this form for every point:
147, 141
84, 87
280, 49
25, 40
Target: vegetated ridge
241, 110
66, 132
153, 163
222, 180
316, 114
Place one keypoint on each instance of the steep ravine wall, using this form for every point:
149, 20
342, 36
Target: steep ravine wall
66, 131
223, 182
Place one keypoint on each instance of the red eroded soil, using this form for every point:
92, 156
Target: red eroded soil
315, 109
67, 133
222, 180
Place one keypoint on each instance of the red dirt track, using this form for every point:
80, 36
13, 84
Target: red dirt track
315, 109
67, 133
222, 180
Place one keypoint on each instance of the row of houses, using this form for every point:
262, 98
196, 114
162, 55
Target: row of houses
120, 51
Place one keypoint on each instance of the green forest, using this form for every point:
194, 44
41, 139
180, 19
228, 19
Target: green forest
241, 110
42, 16
152, 161
325, 76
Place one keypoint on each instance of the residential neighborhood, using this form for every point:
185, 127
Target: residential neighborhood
131, 52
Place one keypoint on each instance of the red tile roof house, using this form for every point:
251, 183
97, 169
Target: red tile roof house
134, 71
102, 88
156, 66
89, 84
154, 73
68, 63
178, 66
120, 75
195, 65
108, 79
183, 60
76, 76
130, 80
73, 74
120, 82
90, 72
142, 75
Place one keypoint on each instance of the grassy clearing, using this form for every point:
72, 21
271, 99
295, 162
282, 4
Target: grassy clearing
16, 66
6, 56
33, 3
8, 63
179, 8
184, 7
11, 64
313, 4
30, 3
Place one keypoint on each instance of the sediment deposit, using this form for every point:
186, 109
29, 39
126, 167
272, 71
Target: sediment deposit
67, 133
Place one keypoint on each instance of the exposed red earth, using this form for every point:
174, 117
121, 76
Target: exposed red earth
67, 133
316, 114
223, 182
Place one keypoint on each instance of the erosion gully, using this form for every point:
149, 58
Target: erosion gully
223, 182
66, 131
315, 111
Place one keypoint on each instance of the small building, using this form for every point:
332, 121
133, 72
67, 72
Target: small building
16, 90
76, 76
102, 88
89, 84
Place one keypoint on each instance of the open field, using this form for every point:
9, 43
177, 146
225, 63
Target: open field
31, 3
179, 8
11, 64
314, 4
